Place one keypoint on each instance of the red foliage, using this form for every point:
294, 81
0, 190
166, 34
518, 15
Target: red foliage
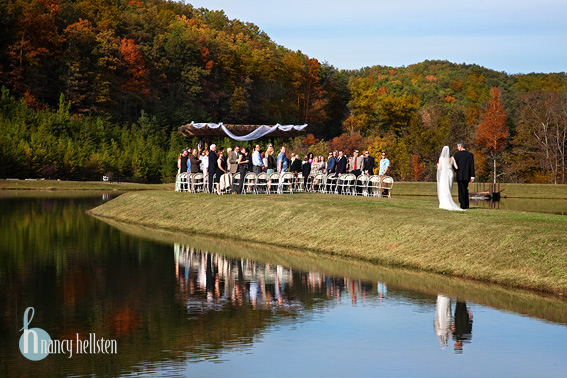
138, 81
310, 140
348, 143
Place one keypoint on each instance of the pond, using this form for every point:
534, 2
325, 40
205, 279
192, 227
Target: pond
154, 303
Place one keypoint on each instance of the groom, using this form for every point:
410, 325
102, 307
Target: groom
465, 173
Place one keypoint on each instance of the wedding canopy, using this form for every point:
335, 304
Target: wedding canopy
240, 132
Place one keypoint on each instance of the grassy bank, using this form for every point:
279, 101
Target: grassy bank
510, 248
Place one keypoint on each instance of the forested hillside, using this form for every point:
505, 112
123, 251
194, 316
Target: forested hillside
101, 86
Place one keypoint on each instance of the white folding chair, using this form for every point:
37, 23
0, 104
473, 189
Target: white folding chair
262, 183
286, 183
198, 183
273, 182
373, 187
249, 183
316, 182
235, 181
331, 183
361, 187
386, 186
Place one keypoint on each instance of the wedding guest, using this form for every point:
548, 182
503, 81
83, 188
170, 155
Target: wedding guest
355, 163
368, 167
282, 162
221, 169
242, 168
257, 163
183, 161
228, 151
295, 166
194, 160
233, 159
204, 166
270, 161
341, 163
212, 166
331, 163
306, 168
384, 165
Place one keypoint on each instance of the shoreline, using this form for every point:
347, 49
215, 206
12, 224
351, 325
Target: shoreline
513, 249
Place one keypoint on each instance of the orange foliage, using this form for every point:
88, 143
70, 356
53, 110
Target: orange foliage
430, 78
31, 101
417, 167
382, 91
392, 72
492, 131
450, 99
137, 3
310, 140
139, 73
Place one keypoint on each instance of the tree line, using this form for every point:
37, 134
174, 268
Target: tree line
101, 86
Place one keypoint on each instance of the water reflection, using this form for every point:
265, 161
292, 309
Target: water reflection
459, 326
204, 308
208, 281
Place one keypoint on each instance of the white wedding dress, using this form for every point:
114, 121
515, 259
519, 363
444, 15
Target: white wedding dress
445, 181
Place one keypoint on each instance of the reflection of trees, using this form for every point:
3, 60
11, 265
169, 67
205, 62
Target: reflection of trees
83, 276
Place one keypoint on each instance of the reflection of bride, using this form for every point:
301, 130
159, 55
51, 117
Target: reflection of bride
443, 319
445, 181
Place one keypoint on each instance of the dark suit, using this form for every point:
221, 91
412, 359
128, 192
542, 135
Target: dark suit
212, 168
465, 162
341, 165
368, 165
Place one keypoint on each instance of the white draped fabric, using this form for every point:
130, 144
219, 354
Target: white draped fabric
256, 134
445, 181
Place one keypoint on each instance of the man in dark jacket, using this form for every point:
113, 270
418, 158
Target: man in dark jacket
465, 173
212, 166
368, 166
341, 163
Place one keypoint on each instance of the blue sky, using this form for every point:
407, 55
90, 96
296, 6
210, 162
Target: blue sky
515, 36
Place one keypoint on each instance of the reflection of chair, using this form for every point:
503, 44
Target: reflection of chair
373, 187
286, 183
198, 183
262, 183
386, 186
235, 182
273, 182
362, 185
249, 183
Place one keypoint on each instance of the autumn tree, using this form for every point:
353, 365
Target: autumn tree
542, 131
492, 132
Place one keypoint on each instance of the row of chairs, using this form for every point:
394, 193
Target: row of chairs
288, 182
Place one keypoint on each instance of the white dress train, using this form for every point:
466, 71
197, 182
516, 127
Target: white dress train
445, 184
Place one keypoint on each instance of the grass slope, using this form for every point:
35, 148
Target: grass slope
510, 248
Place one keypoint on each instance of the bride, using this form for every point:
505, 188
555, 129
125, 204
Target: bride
445, 181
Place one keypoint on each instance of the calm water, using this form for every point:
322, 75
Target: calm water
185, 306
